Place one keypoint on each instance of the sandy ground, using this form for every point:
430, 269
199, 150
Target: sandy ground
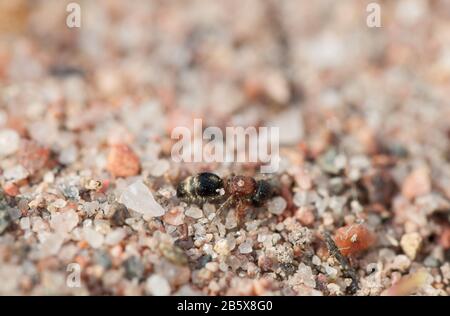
88, 202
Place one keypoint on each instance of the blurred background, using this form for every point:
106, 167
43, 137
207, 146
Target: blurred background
315, 69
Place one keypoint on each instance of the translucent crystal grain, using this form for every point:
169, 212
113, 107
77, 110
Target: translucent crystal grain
138, 197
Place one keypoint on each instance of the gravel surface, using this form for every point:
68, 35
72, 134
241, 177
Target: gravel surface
88, 200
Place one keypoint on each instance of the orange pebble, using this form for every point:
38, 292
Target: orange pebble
122, 161
83, 244
11, 189
354, 238
444, 238
105, 186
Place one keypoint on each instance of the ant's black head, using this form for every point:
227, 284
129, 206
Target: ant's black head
263, 192
208, 184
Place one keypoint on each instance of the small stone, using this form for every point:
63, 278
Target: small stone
9, 142
276, 87
102, 258
287, 269
328, 162
5, 220
14, 213
134, 268
325, 51
408, 284
353, 239
305, 275
222, 247
431, 262
138, 197
330, 271
175, 216
93, 185
380, 187
60, 203
102, 226
337, 186
120, 214
410, 12
122, 161
401, 263
176, 275
11, 189
187, 290
265, 263
246, 247
334, 289
356, 206
64, 222
284, 253
16, 173
94, 238
194, 212
25, 223
231, 242
279, 227
445, 270
212, 266
328, 218
290, 123
32, 156
234, 262
174, 254
300, 236
157, 285
91, 208
316, 260
444, 239
70, 192
305, 216
185, 244
68, 155
115, 236
301, 198
37, 224
410, 244
231, 220
159, 168
277, 205
51, 245
417, 183
202, 261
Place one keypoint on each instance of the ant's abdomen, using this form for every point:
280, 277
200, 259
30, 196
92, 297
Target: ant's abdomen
207, 184
201, 188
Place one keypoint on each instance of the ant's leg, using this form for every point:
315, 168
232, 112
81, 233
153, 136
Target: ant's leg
241, 209
224, 205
